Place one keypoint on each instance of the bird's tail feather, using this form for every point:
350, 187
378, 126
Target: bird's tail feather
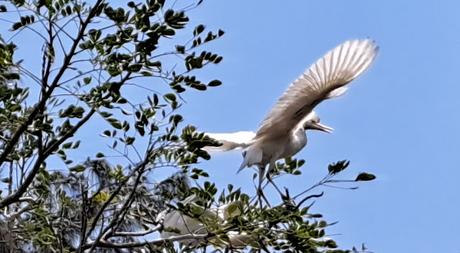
231, 141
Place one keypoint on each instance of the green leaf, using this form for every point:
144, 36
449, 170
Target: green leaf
365, 177
105, 114
169, 32
220, 33
337, 167
198, 86
214, 83
131, 4
135, 67
78, 168
170, 97
76, 145
6, 180
218, 59
129, 140
87, 80
94, 34
180, 49
67, 145
115, 123
199, 29
16, 26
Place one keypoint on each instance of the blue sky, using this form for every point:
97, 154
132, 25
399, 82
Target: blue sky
399, 120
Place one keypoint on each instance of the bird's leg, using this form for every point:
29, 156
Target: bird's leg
260, 196
261, 177
269, 178
260, 193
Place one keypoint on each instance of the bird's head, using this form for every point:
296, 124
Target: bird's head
312, 122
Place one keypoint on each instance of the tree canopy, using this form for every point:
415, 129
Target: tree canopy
96, 57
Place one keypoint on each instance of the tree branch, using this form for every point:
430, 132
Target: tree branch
139, 233
107, 231
40, 159
39, 109
105, 244
67, 59
109, 200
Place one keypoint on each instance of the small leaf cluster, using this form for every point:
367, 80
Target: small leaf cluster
290, 166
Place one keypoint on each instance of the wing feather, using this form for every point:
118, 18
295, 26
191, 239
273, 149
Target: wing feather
324, 79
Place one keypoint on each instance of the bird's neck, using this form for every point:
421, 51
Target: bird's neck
300, 137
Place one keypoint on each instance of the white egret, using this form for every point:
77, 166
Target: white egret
175, 223
282, 132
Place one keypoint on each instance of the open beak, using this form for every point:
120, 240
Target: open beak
321, 127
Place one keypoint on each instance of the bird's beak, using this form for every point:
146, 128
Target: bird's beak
321, 127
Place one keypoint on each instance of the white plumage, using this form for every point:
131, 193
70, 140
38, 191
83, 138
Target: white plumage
282, 132
186, 225
231, 141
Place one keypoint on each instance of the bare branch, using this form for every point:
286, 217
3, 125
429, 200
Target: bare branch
139, 233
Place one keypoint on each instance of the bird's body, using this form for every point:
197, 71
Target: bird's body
176, 223
271, 148
282, 132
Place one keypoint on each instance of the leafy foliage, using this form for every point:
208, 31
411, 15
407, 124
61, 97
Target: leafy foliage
97, 57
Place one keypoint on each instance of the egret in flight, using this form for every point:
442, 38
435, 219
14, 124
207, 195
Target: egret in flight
282, 132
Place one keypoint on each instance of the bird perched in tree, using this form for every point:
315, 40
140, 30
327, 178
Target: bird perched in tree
175, 223
282, 132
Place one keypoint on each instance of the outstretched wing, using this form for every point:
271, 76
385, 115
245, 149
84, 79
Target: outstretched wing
231, 140
324, 79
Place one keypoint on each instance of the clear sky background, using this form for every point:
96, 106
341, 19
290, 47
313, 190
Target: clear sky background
400, 120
